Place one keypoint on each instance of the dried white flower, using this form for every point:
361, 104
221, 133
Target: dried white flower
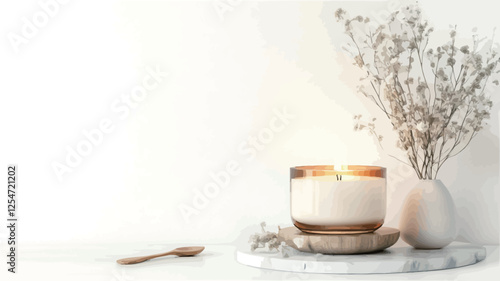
436, 99
264, 239
422, 127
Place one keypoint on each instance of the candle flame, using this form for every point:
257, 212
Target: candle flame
340, 167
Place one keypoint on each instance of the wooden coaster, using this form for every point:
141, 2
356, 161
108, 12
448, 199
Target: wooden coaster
340, 244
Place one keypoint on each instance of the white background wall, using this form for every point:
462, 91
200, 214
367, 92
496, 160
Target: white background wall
227, 76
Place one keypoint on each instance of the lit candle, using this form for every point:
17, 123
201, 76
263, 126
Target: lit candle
348, 199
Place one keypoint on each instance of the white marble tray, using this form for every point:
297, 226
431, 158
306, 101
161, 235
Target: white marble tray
393, 260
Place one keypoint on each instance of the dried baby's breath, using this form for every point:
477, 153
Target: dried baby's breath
270, 241
437, 99
264, 239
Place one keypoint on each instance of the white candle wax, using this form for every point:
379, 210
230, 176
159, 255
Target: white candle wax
324, 200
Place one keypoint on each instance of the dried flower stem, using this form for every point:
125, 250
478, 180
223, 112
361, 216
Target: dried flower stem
434, 122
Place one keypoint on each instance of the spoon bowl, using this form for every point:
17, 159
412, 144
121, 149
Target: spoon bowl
188, 251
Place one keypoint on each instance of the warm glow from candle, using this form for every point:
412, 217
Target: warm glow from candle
337, 167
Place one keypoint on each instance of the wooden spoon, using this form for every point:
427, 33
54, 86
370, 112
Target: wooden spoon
181, 252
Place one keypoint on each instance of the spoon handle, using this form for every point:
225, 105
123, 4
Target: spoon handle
143, 258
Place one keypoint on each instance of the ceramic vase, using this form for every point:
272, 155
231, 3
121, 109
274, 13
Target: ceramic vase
428, 217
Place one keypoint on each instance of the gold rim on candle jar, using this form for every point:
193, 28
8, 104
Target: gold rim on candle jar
329, 170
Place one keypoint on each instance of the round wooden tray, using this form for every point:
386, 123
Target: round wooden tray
378, 240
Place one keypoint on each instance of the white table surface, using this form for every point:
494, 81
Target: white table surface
97, 262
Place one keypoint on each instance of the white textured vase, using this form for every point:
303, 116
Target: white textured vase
428, 218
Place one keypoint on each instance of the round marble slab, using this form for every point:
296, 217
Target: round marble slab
392, 260
382, 238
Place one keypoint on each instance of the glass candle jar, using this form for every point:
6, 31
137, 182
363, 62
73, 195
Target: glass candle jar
327, 200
